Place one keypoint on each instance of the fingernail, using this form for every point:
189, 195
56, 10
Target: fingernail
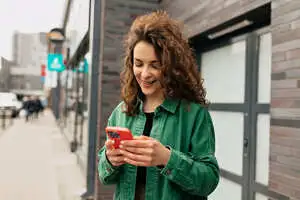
122, 142
121, 146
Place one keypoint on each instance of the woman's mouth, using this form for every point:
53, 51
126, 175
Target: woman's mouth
147, 83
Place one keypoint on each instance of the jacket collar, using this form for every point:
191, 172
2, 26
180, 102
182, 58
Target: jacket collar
169, 105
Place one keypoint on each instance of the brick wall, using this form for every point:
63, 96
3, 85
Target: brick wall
285, 104
199, 16
119, 15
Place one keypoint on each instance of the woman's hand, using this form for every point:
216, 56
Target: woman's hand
144, 151
113, 155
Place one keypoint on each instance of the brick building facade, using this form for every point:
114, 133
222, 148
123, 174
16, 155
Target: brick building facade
285, 107
117, 20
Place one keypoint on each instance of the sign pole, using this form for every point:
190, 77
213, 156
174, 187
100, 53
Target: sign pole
56, 40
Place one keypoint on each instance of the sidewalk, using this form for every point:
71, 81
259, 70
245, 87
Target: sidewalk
35, 163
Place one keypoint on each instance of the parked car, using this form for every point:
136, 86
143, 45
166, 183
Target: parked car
9, 100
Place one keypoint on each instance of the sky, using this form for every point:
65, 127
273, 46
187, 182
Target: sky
27, 16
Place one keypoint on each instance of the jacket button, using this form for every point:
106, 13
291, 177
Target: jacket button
108, 169
168, 172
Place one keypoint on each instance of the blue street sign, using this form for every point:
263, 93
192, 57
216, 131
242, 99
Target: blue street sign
55, 62
83, 66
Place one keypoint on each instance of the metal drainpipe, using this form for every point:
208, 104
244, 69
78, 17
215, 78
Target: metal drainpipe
74, 143
95, 44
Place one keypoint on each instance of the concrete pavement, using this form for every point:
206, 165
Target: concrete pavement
35, 163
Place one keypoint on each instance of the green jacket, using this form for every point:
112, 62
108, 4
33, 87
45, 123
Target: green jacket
192, 171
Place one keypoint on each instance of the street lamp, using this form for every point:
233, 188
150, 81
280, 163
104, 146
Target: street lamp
56, 38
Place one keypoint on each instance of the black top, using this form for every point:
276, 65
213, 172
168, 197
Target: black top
141, 171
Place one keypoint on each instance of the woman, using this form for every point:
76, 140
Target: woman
164, 106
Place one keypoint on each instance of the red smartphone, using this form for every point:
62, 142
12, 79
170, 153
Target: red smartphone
118, 134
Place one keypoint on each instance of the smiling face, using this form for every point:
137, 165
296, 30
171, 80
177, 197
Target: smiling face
147, 70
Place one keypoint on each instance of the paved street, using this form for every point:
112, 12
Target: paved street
36, 164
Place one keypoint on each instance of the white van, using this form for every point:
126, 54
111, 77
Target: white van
9, 100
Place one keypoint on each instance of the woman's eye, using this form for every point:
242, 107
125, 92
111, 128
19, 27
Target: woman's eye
156, 66
138, 64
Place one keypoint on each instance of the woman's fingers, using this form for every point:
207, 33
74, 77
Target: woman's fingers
147, 160
137, 143
142, 137
137, 150
113, 152
136, 163
145, 152
118, 163
109, 144
115, 157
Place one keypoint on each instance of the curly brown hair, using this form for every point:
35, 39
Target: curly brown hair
180, 77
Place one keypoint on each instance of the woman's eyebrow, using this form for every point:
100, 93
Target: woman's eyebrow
152, 61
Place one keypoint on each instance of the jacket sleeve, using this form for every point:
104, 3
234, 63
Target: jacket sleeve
196, 172
108, 173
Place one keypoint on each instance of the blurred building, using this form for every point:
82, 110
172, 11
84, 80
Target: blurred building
30, 49
5, 74
26, 81
29, 53
248, 54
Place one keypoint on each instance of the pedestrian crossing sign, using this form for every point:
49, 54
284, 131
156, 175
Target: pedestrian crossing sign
55, 62
83, 66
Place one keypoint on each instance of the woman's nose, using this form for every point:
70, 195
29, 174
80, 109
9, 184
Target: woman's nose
145, 72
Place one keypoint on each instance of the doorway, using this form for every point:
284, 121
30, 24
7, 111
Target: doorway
237, 77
